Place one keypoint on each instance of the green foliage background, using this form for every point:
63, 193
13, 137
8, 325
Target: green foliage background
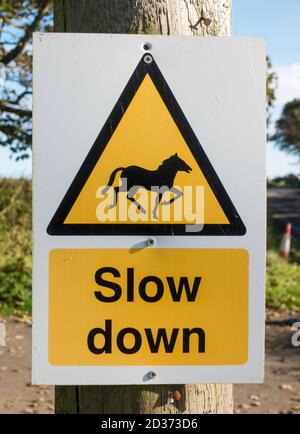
15, 245
282, 283
283, 278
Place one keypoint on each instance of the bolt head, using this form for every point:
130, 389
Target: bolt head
148, 59
151, 374
147, 46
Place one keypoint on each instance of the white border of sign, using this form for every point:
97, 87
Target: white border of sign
218, 82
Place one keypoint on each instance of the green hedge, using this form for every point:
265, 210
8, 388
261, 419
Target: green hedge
15, 245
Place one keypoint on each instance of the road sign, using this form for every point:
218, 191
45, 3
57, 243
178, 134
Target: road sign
149, 209
172, 299
143, 130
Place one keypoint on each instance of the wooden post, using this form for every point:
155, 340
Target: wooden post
163, 17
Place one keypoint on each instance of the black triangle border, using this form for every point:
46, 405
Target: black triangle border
57, 226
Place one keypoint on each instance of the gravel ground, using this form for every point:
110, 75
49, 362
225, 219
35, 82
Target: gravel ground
279, 394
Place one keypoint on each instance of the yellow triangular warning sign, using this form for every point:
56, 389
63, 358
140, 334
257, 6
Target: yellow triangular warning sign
147, 172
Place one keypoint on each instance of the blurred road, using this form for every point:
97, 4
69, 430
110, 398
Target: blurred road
279, 394
284, 207
17, 394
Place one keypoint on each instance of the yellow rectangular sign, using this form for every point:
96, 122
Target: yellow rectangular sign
148, 307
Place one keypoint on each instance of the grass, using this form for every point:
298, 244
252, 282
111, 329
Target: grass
15, 246
282, 284
283, 278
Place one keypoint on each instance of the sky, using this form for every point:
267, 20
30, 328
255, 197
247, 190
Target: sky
278, 22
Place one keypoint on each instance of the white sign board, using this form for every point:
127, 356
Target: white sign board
149, 209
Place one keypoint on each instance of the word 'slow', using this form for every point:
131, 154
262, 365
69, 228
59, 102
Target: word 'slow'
150, 288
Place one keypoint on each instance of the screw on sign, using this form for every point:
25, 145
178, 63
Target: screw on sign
148, 58
147, 46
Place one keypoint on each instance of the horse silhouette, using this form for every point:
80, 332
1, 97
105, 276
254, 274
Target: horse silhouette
159, 180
